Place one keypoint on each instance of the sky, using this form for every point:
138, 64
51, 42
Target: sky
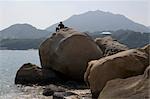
42, 14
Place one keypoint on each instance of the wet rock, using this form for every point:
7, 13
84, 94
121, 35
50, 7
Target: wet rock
48, 92
72, 84
63, 92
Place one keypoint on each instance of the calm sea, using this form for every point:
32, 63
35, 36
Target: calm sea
10, 62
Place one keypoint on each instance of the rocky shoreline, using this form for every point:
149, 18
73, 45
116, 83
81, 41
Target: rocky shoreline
74, 66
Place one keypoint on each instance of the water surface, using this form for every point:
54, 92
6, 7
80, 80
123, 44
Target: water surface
10, 62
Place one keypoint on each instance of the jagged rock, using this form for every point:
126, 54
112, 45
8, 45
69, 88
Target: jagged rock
110, 46
131, 88
32, 74
121, 65
69, 52
147, 49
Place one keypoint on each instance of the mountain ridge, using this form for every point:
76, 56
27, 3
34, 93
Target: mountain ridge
101, 21
23, 31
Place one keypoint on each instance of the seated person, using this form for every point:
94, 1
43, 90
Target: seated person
61, 25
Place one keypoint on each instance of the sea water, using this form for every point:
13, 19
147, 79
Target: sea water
10, 62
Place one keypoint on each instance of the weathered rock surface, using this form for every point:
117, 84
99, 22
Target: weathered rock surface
131, 88
32, 74
110, 46
121, 65
69, 52
147, 49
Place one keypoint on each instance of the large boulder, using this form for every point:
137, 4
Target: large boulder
131, 88
32, 74
110, 46
68, 52
121, 65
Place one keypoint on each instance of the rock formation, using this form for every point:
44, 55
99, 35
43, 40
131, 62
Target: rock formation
69, 52
110, 46
147, 49
74, 55
131, 88
121, 65
32, 74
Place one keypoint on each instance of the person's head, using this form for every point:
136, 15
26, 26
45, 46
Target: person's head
60, 22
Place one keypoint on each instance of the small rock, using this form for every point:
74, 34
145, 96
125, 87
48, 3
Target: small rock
48, 92
72, 84
62, 95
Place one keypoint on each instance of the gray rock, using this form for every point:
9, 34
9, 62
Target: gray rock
62, 95
48, 92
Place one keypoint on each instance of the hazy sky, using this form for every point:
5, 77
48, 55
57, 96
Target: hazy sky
42, 14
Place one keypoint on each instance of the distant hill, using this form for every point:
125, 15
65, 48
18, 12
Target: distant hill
22, 37
130, 38
20, 44
23, 31
93, 21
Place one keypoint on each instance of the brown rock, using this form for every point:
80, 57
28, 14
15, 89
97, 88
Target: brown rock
69, 52
121, 65
110, 46
147, 49
32, 74
131, 88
